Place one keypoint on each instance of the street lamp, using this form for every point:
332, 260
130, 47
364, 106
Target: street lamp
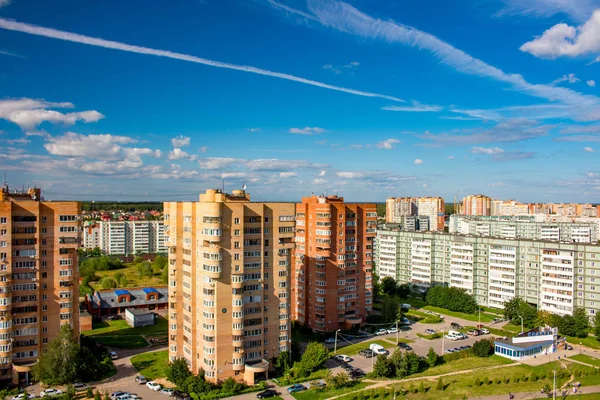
335, 342
580, 344
479, 326
521, 324
396, 332
443, 338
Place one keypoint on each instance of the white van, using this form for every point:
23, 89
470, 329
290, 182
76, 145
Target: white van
377, 349
454, 335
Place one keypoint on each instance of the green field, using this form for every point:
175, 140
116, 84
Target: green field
321, 394
436, 335
587, 359
469, 317
465, 364
152, 365
589, 341
119, 335
132, 275
424, 318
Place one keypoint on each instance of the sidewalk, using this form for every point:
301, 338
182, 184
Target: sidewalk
538, 395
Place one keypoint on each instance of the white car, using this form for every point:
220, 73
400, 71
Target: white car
343, 357
113, 355
114, 395
128, 396
330, 340
381, 332
23, 396
485, 331
50, 392
392, 330
154, 386
167, 392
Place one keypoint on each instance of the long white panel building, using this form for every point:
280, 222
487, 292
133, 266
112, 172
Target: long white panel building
555, 276
126, 237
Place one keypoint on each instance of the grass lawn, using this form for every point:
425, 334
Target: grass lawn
589, 341
132, 275
319, 374
587, 359
465, 364
491, 310
320, 394
436, 335
424, 318
152, 365
469, 317
355, 348
512, 328
119, 335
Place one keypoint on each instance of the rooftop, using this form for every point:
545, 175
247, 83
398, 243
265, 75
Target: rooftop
109, 298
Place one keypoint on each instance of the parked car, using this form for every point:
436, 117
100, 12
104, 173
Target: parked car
50, 392
167, 392
429, 331
473, 332
343, 357
368, 353
405, 328
298, 387
496, 320
23, 396
347, 367
404, 346
114, 318
113, 355
448, 351
267, 393
381, 332
153, 386
356, 374
485, 331
568, 347
114, 395
318, 384
128, 396
80, 386
330, 340
392, 330
455, 326
378, 349
141, 380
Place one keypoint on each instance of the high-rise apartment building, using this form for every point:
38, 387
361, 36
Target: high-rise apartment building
126, 237
434, 208
333, 261
554, 276
229, 284
398, 208
38, 277
477, 204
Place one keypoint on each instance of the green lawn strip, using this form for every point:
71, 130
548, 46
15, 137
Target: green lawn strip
424, 318
319, 374
469, 317
491, 310
436, 335
587, 359
355, 348
589, 341
321, 394
152, 365
122, 342
465, 364
120, 327
512, 328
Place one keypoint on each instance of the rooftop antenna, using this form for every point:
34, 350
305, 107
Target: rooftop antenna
223, 186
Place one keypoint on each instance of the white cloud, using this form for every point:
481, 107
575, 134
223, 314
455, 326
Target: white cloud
450, 157
571, 78
29, 113
18, 141
565, 40
280, 165
218, 163
388, 144
418, 161
496, 185
416, 107
349, 175
254, 129
73, 144
178, 154
307, 131
487, 150
92, 41
203, 149
591, 83
356, 146
319, 181
180, 141
577, 9
285, 175
338, 69
322, 173
588, 149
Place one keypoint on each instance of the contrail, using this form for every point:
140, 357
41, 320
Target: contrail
77, 38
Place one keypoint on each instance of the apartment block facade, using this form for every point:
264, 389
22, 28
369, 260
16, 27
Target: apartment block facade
229, 283
525, 227
477, 204
554, 276
126, 237
38, 277
398, 208
332, 263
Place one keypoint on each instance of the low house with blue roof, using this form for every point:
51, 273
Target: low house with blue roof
116, 301
538, 341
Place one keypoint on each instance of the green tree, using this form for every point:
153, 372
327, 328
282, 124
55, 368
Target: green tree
315, 355
89, 393
432, 357
389, 308
440, 384
412, 361
70, 392
517, 308
282, 363
576, 324
597, 326
121, 280
396, 361
108, 283
383, 367
403, 291
453, 299
144, 269
178, 371
58, 364
340, 380
159, 264
164, 275
483, 348
138, 259
388, 285
97, 395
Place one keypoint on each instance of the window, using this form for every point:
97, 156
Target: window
236, 221
2, 220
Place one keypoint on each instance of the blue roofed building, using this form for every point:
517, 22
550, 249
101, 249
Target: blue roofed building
537, 341
116, 301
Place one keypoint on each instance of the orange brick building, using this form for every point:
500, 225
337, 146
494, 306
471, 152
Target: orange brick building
332, 263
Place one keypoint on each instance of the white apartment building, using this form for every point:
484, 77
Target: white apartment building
526, 227
554, 276
397, 209
126, 237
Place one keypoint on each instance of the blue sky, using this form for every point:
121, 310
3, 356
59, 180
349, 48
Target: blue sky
143, 100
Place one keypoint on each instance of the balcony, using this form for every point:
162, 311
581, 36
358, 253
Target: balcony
257, 366
238, 367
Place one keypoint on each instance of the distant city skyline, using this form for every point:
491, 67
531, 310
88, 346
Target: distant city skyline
364, 99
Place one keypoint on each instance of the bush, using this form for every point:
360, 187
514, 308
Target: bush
517, 379
486, 380
483, 348
507, 380
89, 393
422, 388
108, 283
440, 384
498, 381
453, 299
97, 396
477, 382
534, 377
